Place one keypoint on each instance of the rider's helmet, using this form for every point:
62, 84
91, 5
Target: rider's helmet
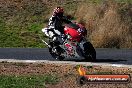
58, 11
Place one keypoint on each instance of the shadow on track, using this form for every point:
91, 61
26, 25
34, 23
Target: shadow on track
97, 61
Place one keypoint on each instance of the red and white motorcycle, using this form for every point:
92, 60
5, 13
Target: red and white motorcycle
73, 45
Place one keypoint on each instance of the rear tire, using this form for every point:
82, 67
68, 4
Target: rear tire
90, 53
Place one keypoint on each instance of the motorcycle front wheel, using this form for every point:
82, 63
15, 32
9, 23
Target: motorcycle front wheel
55, 53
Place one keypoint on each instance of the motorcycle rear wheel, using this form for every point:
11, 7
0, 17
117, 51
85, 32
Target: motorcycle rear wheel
90, 53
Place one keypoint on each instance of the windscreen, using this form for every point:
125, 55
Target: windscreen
72, 25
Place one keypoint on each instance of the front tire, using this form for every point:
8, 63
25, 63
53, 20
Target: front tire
56, 54
90, 53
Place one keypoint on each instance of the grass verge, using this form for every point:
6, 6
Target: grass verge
34, 75
34, 81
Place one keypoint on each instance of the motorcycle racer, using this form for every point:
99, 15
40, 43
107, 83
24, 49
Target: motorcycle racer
55, 28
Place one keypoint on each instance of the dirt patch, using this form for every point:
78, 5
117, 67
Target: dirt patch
68, 74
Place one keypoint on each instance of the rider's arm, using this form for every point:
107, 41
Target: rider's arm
52, 22
66, 20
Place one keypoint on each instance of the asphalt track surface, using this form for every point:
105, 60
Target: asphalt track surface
114, 57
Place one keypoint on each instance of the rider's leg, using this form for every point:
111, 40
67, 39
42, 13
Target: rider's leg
48, 33
61, 36
51, 34
45, 30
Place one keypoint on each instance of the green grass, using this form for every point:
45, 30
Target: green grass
27, 81
20, 27
21, 23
